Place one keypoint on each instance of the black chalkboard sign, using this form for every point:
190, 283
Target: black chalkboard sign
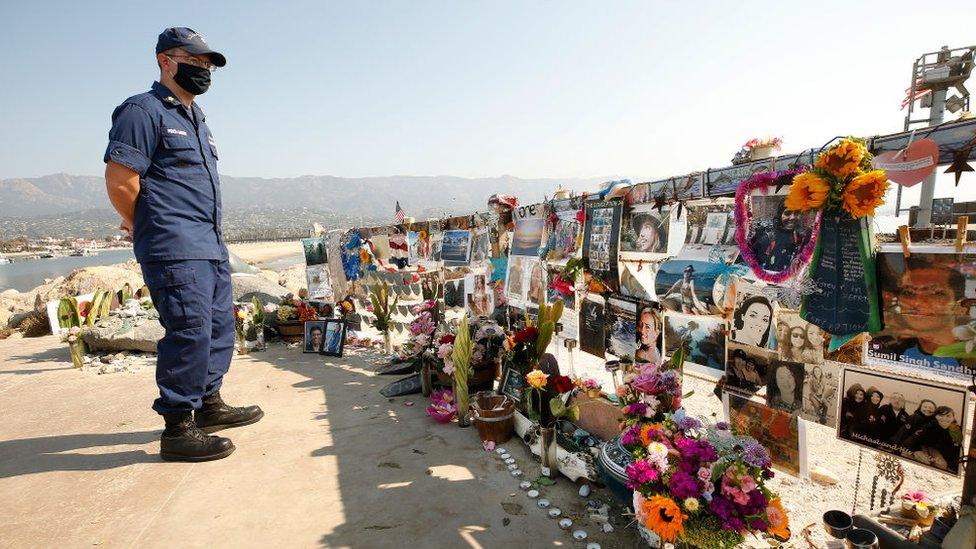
841, 303
591, 327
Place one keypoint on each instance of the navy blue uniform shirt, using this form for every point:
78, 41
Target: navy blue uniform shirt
171, 148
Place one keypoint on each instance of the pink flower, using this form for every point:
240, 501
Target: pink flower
704, 474
916, 496
448, 366
639, 512
747, 483
445, 350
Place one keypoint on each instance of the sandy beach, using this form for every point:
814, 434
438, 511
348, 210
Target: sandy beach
265, 252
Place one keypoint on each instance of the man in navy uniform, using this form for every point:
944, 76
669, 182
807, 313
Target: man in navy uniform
161, 176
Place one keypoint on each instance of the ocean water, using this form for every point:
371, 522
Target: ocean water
23, 275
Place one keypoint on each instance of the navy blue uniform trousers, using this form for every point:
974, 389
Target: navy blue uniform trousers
196, 308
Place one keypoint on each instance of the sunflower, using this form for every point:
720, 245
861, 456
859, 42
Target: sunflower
664, 517
779, 523
865, 193
842, 159
808, 191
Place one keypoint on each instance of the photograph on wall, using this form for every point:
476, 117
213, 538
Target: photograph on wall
752, 317
781, 433
454, 293
917, 420
431, 285
570, 316
530, 225
381, 247
601, 240
691, 287
820, 388
709, 225
850, 352
562, 239
928, 303
637, 280
796, 339
776, 235
480, 248
747, 367
706, 342
318, 284
456, 248
315, 253
314, 336
515, 286
650, 330
479, 299
334, 338
535, 292
592, 327
436, 245
419, 249
644, 232
784, 385
621, 327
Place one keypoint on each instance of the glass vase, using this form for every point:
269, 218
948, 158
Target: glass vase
547, 451
77, 349
387, 343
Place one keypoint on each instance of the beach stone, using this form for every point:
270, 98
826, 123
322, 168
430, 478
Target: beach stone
822, 475
584, 490
114, 334
17, 318
248, 286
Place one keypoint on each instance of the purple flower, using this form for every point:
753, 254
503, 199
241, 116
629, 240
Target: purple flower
758, 525
687, 423
683, 485
756, 456
639, 473
722, 508
635, 409
631, 436
722, 426
757, 503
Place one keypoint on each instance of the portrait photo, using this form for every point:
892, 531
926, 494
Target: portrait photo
916, 420
314, 336
650, 331
644, 231
747, 367
752, 317
515, 280
690, 287
820, 388
334, 338
315, 253
479, 299
784, 385
536, 292
706, 342
480, 248
562, 239
621, 327
456, 248
796, 339
928, 303
778, 431
775, 234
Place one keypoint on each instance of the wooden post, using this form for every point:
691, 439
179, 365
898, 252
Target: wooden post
962, 228
906, 240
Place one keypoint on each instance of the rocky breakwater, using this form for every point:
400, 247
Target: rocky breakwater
132, 327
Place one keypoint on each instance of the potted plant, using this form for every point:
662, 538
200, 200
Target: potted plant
292, 314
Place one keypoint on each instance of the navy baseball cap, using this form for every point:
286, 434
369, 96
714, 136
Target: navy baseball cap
191, 41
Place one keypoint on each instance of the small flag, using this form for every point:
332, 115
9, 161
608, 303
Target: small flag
399, 214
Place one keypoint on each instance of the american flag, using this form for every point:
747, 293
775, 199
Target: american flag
919, 93
399, 214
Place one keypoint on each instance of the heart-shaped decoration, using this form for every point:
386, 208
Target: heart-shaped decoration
910, 166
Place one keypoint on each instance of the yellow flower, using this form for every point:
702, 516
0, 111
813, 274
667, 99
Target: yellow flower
808, 191
843, 159
691, 504
664, 518
779, 523
536, 379
865, 193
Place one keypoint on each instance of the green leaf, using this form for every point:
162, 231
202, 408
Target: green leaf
545, 481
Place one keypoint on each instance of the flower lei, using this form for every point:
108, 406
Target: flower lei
762, 181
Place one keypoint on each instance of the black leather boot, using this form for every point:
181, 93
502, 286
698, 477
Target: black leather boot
216, 415
182, 440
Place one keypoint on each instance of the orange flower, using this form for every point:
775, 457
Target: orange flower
808, 191
842, 159
779, 523
664, 517
865, 193
536, 379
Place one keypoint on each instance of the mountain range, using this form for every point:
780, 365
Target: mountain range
27, 205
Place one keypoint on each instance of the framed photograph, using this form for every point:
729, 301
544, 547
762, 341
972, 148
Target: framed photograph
690, 286
315, 253
776, 235
916, 420
752, 317
650, 329
784, 385
621, 327
783, 435
747, 367
454, 293
512, 384
592, 324
927, 302
644, 232
479, 299
314, 336
820, 388
456, 248
796, 339
334, 338
706, 336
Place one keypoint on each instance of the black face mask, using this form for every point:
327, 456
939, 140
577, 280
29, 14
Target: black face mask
193, 79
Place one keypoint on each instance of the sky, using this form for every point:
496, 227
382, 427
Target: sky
532, 89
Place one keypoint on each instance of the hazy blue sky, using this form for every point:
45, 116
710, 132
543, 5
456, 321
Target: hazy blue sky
559, 89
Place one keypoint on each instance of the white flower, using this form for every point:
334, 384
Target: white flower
448, 366
72, 338
967, 333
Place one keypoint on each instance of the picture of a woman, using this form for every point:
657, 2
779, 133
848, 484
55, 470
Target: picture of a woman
850, 408
751, 321
479, 300
939, 442
819, 394
650, 233
797, 347
922, 414
867, 422
536, 287
784, 389
685, 290
649, 333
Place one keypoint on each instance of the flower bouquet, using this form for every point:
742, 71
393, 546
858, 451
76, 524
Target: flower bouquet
757, 149
844, 187
379, 296
292, 314
590, 386
701, 485
72, 336
546, 404
243, 321
421, 330
650, 393
525, 347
